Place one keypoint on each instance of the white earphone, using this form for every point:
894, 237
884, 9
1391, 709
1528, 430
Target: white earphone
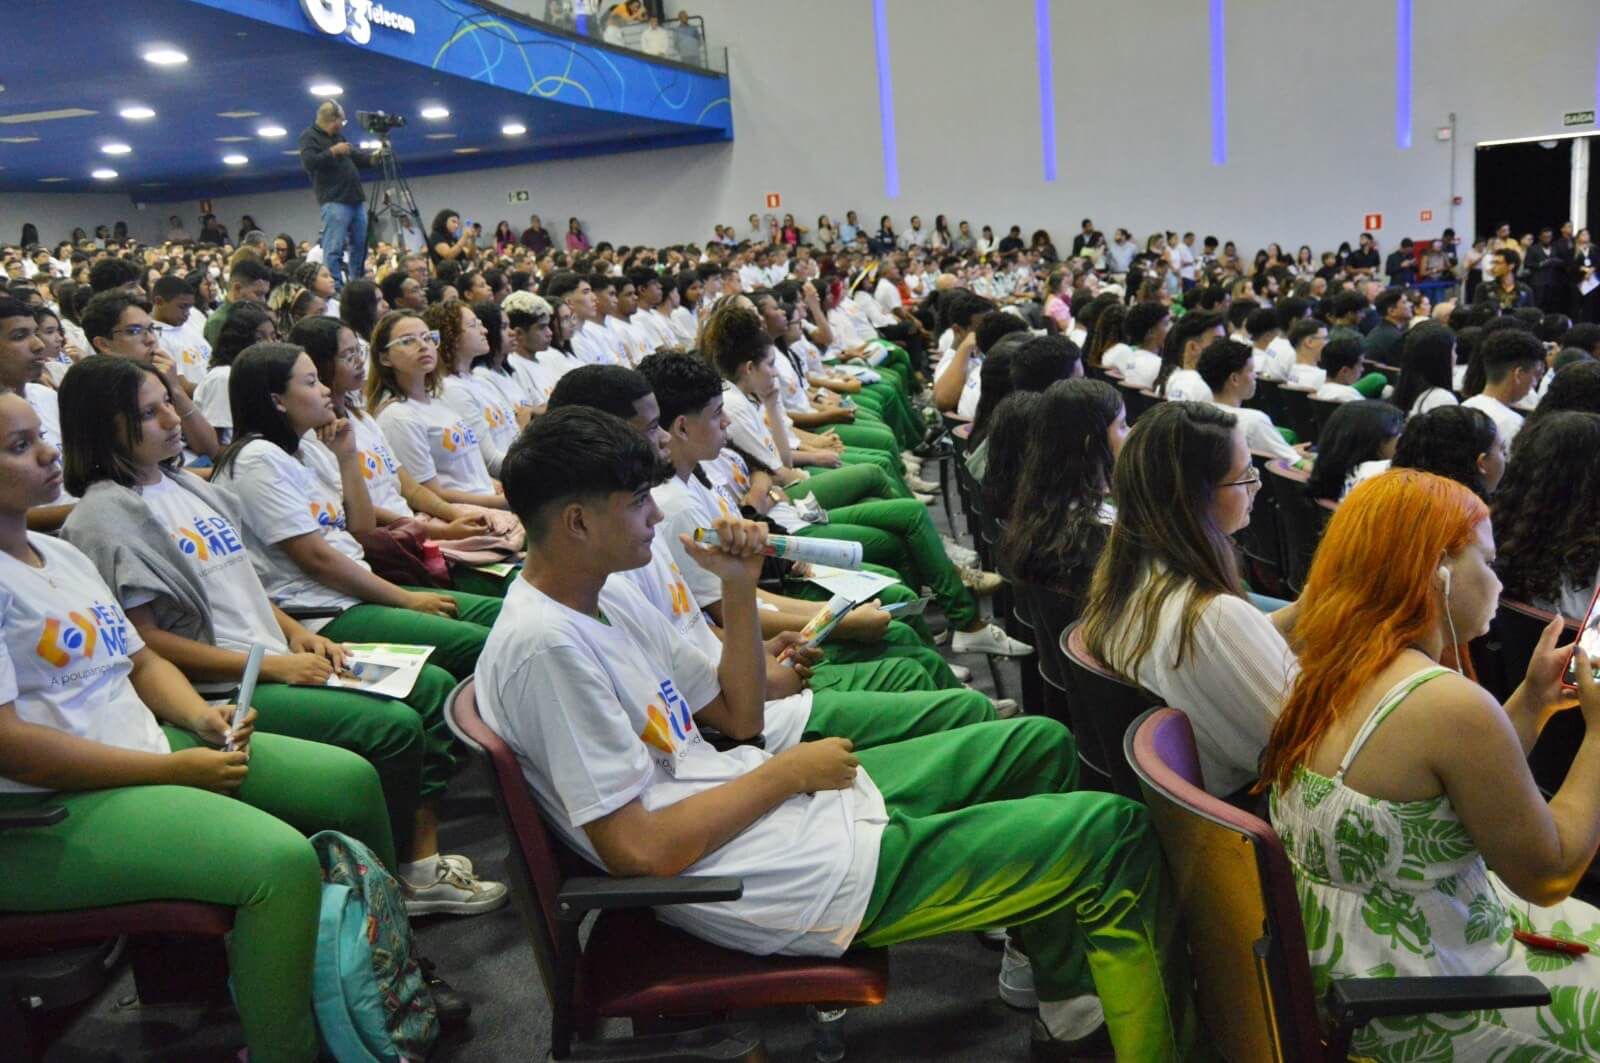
1444, 578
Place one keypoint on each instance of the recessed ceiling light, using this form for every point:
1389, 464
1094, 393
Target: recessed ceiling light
52, 180
466, 151
115, 149
513, 129
19, 140
46, 116
236, 160
137, 113
295, 151
165, 57
271, 131
232, 140
433, 114
103, 175
438, 136
239, 114
326, 88
370, 145
154, 184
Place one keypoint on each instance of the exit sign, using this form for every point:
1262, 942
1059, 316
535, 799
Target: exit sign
1372, 223
774, 200
1426, 215
519, 196
1578, 118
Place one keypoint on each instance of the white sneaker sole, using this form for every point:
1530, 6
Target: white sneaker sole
1025, 998
445, 907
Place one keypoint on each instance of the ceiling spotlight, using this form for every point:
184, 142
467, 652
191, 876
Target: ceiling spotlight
115, 149
326, 88
235, 160
165, 57
104, 175
513, 129
433, 114
466, 151
271, 131
137, 113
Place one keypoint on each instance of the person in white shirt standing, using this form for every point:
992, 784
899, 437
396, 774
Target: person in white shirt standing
1229, 371
1513, 362
616, 761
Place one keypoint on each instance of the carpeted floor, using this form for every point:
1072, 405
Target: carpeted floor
941, 1005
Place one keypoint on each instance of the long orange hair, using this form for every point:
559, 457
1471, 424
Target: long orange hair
1369, 595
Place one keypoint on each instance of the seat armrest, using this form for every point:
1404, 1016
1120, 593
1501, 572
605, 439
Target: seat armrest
595, 893
47, 816
324, 613
1353, 1002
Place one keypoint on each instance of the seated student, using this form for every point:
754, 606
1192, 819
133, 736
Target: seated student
426, 435
1357, 443
1513, 362
24, 356
974, 327
1343, 360
1188, 338
619, 338
590, 342
895, 534
246, 324
808, 695
1575, 385
99, 724
296, 526
361, 304
480, 405
182, 335
169, 544
1054, 540
1107, 349
1011, 425
1427, 365
1166, 607
1417, 835
1545, 513
494, 374
1144, 330
116, 323
1263, 329
1228, 369
249, 281
996, 373
1309, 336
1382, 344
534, 359
592, 688
1458, 443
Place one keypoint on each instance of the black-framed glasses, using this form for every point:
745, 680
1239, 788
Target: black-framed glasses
1251, 478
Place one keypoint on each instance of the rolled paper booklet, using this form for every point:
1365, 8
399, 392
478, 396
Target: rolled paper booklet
839, 553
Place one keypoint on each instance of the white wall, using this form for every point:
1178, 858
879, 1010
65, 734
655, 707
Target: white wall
1311, 120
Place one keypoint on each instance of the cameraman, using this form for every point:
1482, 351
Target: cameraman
331, 160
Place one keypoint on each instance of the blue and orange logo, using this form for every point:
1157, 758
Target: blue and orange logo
457, 438
80, 634
495, 417
668, 724
327, 515
210, 537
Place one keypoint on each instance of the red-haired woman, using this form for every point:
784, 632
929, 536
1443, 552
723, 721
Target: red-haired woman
1401, 789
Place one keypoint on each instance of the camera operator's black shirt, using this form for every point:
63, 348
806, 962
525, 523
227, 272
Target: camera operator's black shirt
334, 178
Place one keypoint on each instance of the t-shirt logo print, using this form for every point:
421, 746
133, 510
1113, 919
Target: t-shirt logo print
457, 437
210, 537
81, 633
369, 465
327, 515
669, 724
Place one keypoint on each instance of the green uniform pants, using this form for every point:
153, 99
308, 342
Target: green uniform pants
898, 534
407, 742
469, 580
842, 486
985, 830
909, 639
889, 406
145, 843
871, 718
885, 461
457, 641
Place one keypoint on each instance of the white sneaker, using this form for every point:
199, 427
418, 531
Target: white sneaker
991, 640
921, 486
910, 463
941, 638
926, 500
962, 556
454, 892
1016, 979
457, 861
1005, 708
962, 673
978, 581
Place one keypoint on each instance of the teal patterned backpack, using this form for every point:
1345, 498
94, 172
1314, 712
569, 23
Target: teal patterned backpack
371, 1003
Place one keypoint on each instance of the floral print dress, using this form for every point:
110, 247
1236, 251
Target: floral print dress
1397, 888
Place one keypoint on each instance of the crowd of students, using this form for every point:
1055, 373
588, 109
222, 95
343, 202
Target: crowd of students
208, 449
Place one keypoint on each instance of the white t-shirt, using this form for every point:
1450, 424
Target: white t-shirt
888, 296
212, 397
747, 427
1232, 683
730, 483
1260, 434
540, 373
592, 344
282, 499
241, 613
483, 409
629, 340
1507, 420
1309, 377
686, 330
658, 330
431, 442
1186, 385
64, 654
687, 504
1141, 369
45, 403
186, 345
1335, 392
600, 714
1115, 357
379, 468
1432, 399
508, 388
791, 386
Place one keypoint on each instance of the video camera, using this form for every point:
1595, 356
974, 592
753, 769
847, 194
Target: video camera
379, 122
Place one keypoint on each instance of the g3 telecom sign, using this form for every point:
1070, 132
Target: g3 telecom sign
354, 18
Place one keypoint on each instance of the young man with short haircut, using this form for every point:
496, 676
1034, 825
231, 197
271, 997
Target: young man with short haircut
599, 698
182, 333
1394, 314
1228, 369
1513, 362
1309, 336
249, 281
590, 342
1144, 330
1195, 332
1342, 362
116, 324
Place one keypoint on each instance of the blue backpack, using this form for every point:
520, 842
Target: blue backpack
371, 1003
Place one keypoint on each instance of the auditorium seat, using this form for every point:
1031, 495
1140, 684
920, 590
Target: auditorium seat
1296, 405
1301, 520
632, 965
1109, 704
1241, 915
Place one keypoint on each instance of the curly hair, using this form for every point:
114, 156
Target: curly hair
1547, 510
445, 318
1448, 441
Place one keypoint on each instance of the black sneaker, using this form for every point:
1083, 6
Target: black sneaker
453, 1008
1095, 1045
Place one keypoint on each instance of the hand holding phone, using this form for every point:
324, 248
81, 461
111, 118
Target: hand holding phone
1588, 642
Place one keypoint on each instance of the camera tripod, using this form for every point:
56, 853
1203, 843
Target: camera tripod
391, 206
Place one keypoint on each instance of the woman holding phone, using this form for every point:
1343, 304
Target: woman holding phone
1420, 843
94, 721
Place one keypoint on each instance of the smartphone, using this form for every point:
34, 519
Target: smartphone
1589, 639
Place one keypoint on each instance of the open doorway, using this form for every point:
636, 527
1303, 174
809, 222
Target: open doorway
1527, 184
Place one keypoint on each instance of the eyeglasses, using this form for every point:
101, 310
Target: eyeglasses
354, 358
134, 332
1250, 479
431, 338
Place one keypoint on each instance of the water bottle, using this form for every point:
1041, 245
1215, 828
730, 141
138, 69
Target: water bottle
827, 1032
